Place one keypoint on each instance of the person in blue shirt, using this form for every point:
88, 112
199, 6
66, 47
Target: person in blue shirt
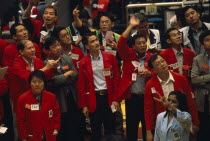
173, 124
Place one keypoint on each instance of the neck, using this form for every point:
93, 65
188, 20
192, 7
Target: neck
66, 48
164, 75
27, 59
103, 32
196, 25
141, 54
177, 47
95, 54
49, 26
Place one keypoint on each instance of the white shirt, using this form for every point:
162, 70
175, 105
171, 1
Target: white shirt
179, 58
167, 86
31, 65
98, 67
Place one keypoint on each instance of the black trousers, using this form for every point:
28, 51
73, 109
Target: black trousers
134, 114
102, 115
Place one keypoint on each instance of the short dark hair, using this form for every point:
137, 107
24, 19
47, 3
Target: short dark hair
86, 37
49, 41
13, 28
39, 74
152, 59
142, 17
83, 14
195, 7
57, 31
106, 14
51, 7
136, 36
182, 99
166, 35
21, 44
203, 35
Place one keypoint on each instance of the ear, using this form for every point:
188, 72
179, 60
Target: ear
168, 41
14, 37
112, 24
87, 47
202, 46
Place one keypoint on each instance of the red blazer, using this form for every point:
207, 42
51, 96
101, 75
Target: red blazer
86, 88
18, 77
34, 123
152, 108
11, 53
3, 45
170, 58
77, 51
37, 25
127, 55
3, 90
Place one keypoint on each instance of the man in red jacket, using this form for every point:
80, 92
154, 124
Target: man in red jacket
98, 82
135, 72
179, 59
163, 82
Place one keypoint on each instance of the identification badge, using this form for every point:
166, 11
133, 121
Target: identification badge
28, 106
74, 56
175, 134
185, 67
50, 113
75, 38
65, 67
153, 46
153, 90
106, 72
206, 67
134, 76
34, 107
175, 65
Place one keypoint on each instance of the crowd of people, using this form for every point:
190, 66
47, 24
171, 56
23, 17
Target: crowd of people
60, 77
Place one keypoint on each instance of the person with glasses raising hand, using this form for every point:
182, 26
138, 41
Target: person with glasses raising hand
163, 82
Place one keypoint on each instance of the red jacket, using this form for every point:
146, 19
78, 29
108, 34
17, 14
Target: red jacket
3, 45
128, 55
18, 77
86, 88
152, 108
11, 53
77, 51
3, 90
35, 122
170, 58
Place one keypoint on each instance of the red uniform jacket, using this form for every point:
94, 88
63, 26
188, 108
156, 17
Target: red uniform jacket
32, 123
128, 55
11, 53
18, 77
152, 108
78, 55
86, 88
170, 58
3, 90
3, 45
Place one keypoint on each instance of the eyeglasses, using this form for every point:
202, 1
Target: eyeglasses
105, 22
37, 82
176, 34
65, 35
160, 62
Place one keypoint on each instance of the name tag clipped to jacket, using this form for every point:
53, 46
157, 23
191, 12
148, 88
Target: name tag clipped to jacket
206, 67
134, 76
34, 107
74, 56
153, 90
107, 72
50, 113
175, 135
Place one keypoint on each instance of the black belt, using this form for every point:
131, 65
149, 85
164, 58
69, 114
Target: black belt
102, 92
138, 94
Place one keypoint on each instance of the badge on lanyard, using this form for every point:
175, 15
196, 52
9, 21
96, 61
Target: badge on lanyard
65, 67
34, 107
75, 38
153, 90
175, 134
74, 56
77, 64
107, 72
50, 113
134, 76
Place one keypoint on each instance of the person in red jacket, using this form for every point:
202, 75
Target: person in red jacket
178, 58
97, 87
163, 82
135, 72
38, 114
72, 51
18, 32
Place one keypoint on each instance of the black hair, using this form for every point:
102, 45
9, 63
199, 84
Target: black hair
152, 59
136, 36
57, 31
86, 37
203, 35
52, 7
166, 35
39, 74
83, 14
49, 41
195, 7
142, 17
13, 28
182, 99
106, 14
21, 44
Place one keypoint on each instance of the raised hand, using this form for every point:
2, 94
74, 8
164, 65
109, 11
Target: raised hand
134, 21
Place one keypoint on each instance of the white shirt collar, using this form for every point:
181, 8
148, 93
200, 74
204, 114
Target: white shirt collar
175, 51
171, 78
